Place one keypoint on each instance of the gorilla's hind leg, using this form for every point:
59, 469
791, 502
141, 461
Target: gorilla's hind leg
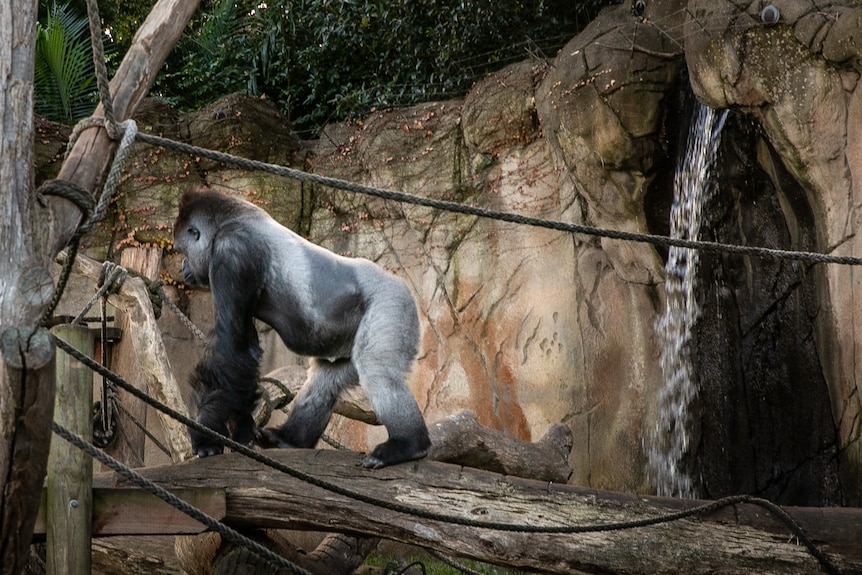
396, 408
383, 352
408, 434
313, 405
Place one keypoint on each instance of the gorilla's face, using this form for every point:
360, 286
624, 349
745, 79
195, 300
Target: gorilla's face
189, 239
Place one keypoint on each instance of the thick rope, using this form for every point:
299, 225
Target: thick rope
181, 316
72, 192
84, 202
705, 509
228, 533
126, 132
112, 277
705, 246
101, 68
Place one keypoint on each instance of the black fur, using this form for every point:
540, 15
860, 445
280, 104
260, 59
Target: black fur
357, 322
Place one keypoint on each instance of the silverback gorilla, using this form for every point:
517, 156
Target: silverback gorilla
357, 322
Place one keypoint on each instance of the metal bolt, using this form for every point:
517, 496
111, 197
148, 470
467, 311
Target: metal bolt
770, 15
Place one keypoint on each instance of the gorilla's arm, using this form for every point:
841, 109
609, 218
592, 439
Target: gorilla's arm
225, 380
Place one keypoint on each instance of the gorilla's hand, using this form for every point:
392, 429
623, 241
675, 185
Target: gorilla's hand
189, 277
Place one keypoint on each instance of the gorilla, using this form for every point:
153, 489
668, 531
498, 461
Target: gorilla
357, 323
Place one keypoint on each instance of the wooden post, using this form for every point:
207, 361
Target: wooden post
28, 359
70, 470
129, 444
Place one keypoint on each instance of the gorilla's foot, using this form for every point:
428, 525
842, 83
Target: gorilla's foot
395, 451
203, 446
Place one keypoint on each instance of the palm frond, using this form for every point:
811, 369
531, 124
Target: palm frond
64, 77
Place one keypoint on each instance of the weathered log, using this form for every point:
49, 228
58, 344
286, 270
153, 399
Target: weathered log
33, 230
206, 554
459, 438
132, 556
149, 351
352, 403
740, 538
29, 360
125, 363
91, 154
26, 378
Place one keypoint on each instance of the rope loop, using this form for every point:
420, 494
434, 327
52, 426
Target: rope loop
71, 191
112, 277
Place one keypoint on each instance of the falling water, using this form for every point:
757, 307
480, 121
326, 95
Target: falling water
671, 437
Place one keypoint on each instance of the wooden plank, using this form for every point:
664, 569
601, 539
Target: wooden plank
70, 470
129, 511
739, 539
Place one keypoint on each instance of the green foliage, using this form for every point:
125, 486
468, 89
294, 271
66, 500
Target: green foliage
323, 60
64, 80
326, 60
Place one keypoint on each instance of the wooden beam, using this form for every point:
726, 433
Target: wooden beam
123, 511
741, 538
92, 152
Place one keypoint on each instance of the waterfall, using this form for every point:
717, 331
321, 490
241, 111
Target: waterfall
670, 441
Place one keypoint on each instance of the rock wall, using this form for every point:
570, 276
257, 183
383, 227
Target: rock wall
529, 327
799, 80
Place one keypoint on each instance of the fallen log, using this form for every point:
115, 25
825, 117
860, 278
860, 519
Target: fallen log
459, 438
739, 538
352, 402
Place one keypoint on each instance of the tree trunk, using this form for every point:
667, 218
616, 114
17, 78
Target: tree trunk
26, 376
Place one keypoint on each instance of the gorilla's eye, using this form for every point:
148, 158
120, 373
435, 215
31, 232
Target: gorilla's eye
193, 231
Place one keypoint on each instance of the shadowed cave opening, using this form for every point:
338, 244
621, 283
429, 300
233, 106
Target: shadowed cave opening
761, 423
